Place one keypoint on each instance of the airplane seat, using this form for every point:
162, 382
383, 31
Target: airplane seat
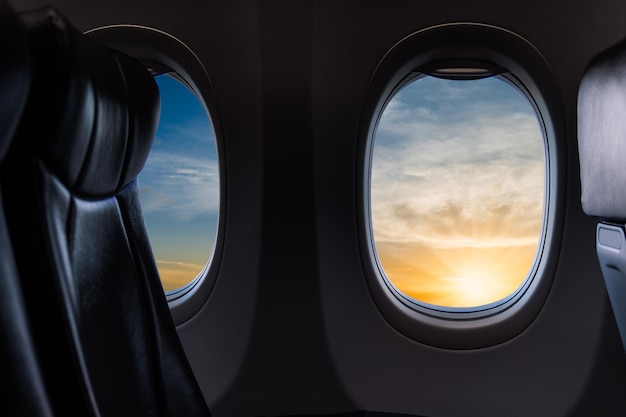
107, 342
602, 151
23, 392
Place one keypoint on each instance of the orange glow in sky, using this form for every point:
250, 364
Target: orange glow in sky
459, 277
457, 190
176, 274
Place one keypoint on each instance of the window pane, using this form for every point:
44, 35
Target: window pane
457, 190
180, 186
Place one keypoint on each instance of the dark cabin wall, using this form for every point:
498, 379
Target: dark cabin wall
290, 325
553, 368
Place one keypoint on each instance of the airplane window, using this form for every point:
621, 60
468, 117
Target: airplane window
180, 186
457, 190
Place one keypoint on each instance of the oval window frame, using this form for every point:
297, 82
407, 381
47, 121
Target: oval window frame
465, 328
164, 53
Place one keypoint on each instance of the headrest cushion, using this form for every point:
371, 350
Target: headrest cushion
93, 111
602, 134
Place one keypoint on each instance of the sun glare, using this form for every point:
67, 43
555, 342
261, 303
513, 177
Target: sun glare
474, 286
456, 277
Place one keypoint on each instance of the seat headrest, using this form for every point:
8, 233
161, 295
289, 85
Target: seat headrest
14, 73
93, 111
602, 134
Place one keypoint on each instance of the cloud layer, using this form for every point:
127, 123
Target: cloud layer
184, 185
458, 164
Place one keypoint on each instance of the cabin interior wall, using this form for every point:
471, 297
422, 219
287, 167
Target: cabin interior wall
290, 326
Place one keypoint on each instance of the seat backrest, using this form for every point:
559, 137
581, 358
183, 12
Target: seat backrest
602, 151
23, 391
104, 331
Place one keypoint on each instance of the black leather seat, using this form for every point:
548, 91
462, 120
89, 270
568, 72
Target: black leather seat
23, 391
105, 337
602, 150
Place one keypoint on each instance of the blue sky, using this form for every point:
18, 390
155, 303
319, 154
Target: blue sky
180, 185
457, 188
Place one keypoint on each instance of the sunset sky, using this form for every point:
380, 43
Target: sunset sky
457, 190
180, 186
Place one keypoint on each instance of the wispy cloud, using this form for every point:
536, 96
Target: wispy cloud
181, 174
183, 185
466, 171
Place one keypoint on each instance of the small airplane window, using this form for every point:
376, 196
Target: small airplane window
180, 186
457, 190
